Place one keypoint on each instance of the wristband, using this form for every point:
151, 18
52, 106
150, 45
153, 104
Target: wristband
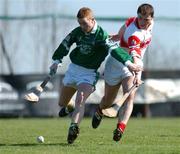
58, 62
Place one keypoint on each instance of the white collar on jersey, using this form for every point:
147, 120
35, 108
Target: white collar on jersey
94, 28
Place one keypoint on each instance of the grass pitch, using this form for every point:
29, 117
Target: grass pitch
142, 136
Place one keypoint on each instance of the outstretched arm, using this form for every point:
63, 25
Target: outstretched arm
119, 35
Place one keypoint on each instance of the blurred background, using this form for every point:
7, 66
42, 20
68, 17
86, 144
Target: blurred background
30, 31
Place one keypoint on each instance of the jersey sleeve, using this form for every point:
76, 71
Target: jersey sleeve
64, 46
129, 21
121, 55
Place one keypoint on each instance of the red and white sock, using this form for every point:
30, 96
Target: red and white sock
121, 126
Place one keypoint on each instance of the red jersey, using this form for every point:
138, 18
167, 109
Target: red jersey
135, 39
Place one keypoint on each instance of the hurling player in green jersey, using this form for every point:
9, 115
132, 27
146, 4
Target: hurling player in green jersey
92, 47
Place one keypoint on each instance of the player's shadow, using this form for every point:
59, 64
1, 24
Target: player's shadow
37, 144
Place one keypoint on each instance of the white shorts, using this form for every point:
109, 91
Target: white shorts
115, 71
76, 75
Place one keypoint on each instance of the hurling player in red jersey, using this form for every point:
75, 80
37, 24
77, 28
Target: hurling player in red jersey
134, 36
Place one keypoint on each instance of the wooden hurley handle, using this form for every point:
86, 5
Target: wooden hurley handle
46, 80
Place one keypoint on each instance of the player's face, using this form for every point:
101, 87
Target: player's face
144, 21
86, 24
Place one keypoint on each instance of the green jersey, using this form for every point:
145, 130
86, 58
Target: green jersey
91, 48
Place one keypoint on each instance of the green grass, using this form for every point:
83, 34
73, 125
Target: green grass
142, 136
